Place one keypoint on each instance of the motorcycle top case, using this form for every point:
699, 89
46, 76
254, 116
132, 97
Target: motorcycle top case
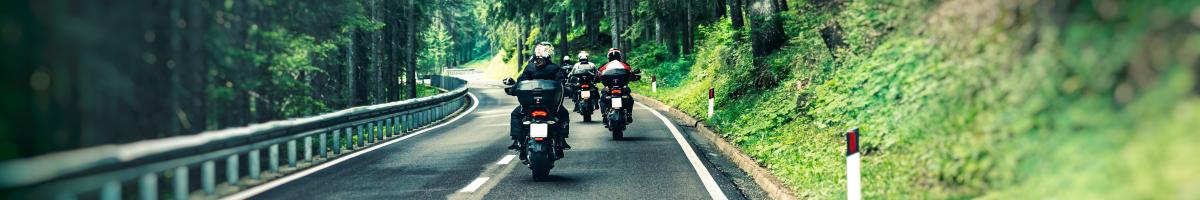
539, 94
615, 76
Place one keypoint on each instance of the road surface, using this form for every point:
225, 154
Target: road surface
466, 159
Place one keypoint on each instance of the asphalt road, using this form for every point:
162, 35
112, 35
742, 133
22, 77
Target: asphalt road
465, 159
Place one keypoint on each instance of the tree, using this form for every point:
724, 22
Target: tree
766, 28
735, 13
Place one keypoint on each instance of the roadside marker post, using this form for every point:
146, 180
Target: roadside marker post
710, 102
654, 83
853, 162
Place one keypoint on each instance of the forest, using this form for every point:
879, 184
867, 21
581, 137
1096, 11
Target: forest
166, 68
956, 98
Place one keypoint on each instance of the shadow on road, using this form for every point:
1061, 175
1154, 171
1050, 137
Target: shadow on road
553, 179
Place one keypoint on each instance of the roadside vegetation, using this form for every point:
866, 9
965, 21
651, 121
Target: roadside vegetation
959, 99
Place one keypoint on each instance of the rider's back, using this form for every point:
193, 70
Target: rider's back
548, 71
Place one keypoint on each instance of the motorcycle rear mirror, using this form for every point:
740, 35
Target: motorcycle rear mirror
508, 81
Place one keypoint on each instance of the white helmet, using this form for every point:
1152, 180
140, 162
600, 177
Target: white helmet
583, 55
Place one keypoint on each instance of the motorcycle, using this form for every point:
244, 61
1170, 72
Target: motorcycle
585, 102
539, 100
619, 101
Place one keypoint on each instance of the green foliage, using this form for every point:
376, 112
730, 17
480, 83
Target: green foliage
959, 104
289, 58
437, 47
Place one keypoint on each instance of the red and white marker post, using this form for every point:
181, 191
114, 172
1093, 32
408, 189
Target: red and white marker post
654, 83
710, 102
853, 160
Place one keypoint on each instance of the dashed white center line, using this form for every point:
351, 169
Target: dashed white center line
506, 159
474, 185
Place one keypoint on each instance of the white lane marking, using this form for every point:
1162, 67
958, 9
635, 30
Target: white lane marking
709, 183
474, 184
506, 159
246, 194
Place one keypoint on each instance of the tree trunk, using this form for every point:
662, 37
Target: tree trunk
410, 75
735, 13
593, 12
688, 35
766, 28
563, 27
782, 4
521, 44
615, 25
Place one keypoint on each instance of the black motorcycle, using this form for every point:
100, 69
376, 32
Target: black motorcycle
618, 100
540, 100
585, 95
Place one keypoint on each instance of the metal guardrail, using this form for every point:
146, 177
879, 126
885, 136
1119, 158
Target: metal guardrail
135, 169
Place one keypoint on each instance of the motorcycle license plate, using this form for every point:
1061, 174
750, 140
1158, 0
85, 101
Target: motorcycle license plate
616, 102
539, 130
585, 94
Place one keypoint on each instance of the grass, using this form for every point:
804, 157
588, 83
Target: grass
960, 99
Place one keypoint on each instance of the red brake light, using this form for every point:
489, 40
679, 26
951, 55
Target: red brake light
584, 86
538, 139
540, 113
616, 91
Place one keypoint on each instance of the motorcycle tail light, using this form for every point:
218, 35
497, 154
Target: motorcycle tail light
539, 113
616, 91
538, 139
583, 86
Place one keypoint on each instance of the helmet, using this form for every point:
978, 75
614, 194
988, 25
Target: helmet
614, 54
566, 58
544, 50
583, 55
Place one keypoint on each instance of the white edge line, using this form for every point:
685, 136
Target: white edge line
478, 182
710, 184
251, 192
506, 159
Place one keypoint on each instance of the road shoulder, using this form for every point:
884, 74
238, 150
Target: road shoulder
753, 180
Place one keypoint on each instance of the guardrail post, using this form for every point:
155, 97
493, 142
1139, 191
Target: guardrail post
337, 144
407, 122
321, 144
291, 153
371, 131
181, 183
308, 148
111, 190
231, 170
362, 140
254, 163
376, 131
273, 158
208, 176
148, 186
391, 128
349, 138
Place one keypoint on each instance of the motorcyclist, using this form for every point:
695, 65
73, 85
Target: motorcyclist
540, 67
568, 67
615, 57
583, 67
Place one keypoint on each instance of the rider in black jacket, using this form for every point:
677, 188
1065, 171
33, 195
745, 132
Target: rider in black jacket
540, 67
